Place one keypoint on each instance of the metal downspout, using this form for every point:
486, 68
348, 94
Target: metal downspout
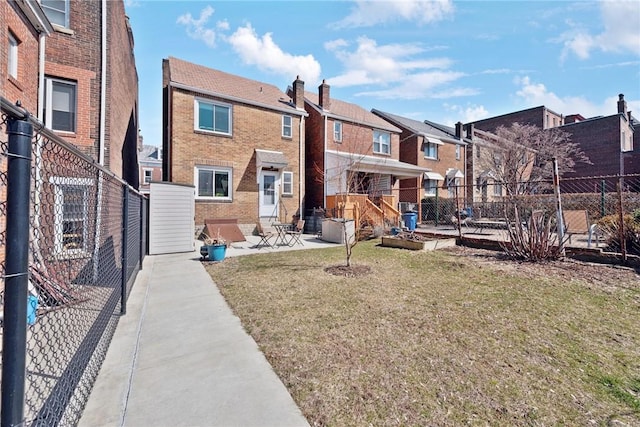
324, 166
301, 167
103, 84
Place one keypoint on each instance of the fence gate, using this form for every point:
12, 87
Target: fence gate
171, 218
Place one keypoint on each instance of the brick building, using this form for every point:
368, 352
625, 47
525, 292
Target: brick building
150, 161
90, 85
435, 148
610, 142
350, 149
24, 29
239, 141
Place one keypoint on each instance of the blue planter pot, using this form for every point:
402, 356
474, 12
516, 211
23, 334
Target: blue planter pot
216, 252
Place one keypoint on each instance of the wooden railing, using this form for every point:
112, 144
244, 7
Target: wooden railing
360, 208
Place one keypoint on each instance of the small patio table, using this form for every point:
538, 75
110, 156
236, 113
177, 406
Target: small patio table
281, 233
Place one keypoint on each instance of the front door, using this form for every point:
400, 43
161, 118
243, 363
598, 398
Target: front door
269, 184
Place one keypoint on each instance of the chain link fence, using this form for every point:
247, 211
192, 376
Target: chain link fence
599, 211
86, 242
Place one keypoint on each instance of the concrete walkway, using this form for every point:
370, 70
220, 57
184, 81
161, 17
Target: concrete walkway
180, 357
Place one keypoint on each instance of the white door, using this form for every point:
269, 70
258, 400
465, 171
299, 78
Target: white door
269, 184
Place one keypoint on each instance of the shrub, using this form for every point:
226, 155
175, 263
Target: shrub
534, 240
609, 226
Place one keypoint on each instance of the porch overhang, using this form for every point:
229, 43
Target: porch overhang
455, 173
272, 160
379, 165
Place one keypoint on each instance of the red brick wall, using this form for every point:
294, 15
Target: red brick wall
25, 87
314, 159
75, 54
600, 141
122, 97
533, 116
253, 128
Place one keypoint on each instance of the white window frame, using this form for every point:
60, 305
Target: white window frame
427, 146
287, 180
458, 151
214, 170
430, 187
59, 183
214, 104
49, 83
144, 175
287, 129
378, 139
337, 131
12, 59
48, 9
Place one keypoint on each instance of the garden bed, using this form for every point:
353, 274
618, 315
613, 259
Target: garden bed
416, 244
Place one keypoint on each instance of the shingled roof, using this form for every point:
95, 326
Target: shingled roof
209, 81
418, 127
351, 112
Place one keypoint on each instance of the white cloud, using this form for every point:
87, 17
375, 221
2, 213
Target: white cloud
621, 31
367, 13
397, 70
466, 114
535, 94
196, 28
267, 56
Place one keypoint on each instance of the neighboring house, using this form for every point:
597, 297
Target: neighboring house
437, 149
607, 141
23, 30
240, 142
541, 117
150, 160
351, 150
610, 142
90, 82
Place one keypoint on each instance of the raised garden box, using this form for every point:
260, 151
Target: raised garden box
417, 245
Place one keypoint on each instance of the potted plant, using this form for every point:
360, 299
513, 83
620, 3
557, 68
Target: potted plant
216, 246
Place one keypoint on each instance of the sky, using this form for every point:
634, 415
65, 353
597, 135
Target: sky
439, 60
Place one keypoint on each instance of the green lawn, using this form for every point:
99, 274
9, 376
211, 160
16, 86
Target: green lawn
444, 337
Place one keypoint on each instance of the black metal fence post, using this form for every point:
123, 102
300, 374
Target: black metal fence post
125, 241
14, 338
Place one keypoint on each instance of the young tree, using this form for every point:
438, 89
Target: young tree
523, 154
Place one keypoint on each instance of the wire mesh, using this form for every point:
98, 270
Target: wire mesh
76, 271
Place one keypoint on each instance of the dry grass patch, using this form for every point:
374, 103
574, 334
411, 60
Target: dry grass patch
443, 338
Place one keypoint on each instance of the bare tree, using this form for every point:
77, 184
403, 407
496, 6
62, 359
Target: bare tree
523, 154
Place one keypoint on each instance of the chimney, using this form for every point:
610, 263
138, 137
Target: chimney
459, 130
622, 105
469, 129
323, 95
298, 93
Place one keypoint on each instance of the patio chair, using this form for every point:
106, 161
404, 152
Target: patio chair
264, 236
295, 233
577, 222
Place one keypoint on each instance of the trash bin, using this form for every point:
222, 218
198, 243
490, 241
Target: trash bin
410, 220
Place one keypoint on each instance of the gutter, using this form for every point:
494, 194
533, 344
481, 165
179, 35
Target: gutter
103, 84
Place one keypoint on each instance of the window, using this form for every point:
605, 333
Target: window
148, 175
213, 117
286, 126
430, 187
60, 105
71, 197
287, 183
381, 142
477, 152
213, 182
13, 56
337, 131
430, 150
458, 149
497, 188
57, 11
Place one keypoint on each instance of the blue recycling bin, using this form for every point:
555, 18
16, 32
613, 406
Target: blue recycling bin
410, 220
